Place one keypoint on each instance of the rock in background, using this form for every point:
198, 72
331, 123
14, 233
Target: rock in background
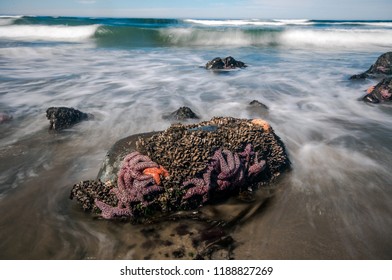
382, 92
226, 63
64, 117
382, 68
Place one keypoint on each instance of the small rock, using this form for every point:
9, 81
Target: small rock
257, 109
256, 103
64, 117
226, 63
181, 114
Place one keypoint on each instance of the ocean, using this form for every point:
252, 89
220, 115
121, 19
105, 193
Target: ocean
335, 203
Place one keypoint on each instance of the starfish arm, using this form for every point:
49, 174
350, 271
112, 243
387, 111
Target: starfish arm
109, 212
140, 166
199, 189
257, 167
231, 167
223, 185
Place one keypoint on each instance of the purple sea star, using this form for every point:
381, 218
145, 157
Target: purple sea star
200, 188
132, 186
227, 171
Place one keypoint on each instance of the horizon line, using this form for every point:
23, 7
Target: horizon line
184, 18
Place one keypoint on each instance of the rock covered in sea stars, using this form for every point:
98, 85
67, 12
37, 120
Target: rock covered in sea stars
382, 92
186, 166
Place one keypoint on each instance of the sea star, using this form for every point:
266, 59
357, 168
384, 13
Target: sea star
385, 94
228, 166
109, 212
264, 124
155, 172
256, 167
370, 89
200, 188
383, 69
227, 171
134, 185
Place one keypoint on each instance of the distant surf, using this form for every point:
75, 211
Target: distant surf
113, 32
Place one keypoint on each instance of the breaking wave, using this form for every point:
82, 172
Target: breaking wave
298, 38
255, 22
125, 33
7, 20
288, 22
48, 32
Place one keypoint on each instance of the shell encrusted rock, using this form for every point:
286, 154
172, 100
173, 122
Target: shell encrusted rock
187, 166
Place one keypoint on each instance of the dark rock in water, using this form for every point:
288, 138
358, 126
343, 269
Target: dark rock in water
64, 117
231, 63
382, 92
258, 104
257, 109
182, 114
4, 117
185, 167
216, 63
382, 67
226, 63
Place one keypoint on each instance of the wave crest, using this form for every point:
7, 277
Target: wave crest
48, 32
301, 38
254, 22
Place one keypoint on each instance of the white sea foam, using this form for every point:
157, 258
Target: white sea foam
294, 21
293, 37
255, 22
337, 38
197, 37
48, 33
283, 22
381, 24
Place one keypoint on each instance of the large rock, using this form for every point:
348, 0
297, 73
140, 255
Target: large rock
382, 67
64, 117
184, 167
226, 63
382, 92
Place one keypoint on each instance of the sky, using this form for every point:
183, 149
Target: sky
233, 9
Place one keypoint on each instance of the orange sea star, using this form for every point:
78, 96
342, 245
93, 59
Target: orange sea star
155, 172
370, 89
264, 124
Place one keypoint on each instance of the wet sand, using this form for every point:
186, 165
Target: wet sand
39, 221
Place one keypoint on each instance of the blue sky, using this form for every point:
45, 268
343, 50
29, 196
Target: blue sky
296, 9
